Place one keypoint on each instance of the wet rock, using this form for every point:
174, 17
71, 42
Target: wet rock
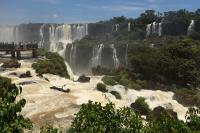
13, 74
26, 83
159, 111
11, 64
60, 89
83, 79
25, 75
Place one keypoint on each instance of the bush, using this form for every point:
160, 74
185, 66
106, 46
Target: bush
11, 64
124, 82
133, 85
54, 64
41, 52
140, 106
102, 71
93, 117
101, 87
108, 80
83, 79
4, 84
116, 94
25, 75
11, 121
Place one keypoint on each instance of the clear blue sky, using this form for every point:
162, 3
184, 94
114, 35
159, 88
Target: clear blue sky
80, 11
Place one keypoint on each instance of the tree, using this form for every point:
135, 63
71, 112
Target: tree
93, 117
10, 118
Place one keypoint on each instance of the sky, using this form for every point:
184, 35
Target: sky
82, 11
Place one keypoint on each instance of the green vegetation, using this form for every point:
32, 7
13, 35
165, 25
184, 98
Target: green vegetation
13, 63
54, 64
102, 71
108, 80
10, 119
83, 79
101, 87
140, 106
116, 94
4, 84
93, 117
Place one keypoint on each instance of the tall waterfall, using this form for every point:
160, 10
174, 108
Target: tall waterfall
129, 26
126, 56
96, 58
115, 58
148, 30
73, 56
117, 27
7, 34
191, 27
160, 29
154, 29
41, 43
61, 35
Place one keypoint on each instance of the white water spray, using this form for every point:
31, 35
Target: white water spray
41, 43
115, 58
191, 27
7, 34
96, 59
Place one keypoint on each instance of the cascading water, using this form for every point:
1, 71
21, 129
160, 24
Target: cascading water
115, 58
41, 43
148, 30
126, 56
62, 35
96, 59
191, 27
73, 56
160, 29
129, 26
154, 29
7, 34
117, 27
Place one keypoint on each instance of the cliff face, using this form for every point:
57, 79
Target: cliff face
84, 51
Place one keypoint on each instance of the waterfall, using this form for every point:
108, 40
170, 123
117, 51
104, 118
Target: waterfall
62, 35
129, 26
126, 56
160, 29
117, 27
115, 59
191, 27
148, 30
73, 56
41, 43
154, 29
7, 34
96, 58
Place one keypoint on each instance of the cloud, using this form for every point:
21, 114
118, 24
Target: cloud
48, 1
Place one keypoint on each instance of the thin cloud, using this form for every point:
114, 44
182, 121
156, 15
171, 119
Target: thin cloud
48, 1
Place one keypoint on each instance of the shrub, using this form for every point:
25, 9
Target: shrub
4, 84
141, 106
83, 79
124, 82
101, 87
11, 121
41, 52
93, 117
133, 85
13, 63
116, 94
108, 80
54, 64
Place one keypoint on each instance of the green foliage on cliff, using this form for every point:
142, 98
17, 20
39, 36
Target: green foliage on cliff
54, 64
175, 63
